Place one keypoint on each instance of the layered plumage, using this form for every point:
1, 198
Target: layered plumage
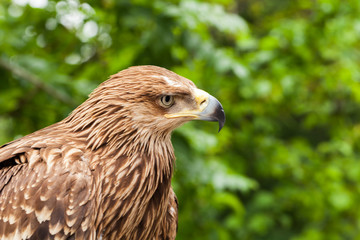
105, 170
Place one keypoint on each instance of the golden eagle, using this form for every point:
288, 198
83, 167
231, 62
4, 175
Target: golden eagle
104, 172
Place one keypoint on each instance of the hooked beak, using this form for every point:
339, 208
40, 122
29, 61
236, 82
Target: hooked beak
208, 108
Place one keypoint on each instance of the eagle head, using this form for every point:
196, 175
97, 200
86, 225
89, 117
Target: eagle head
157, 99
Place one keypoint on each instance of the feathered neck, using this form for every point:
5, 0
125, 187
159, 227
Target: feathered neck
110, 131
134, 163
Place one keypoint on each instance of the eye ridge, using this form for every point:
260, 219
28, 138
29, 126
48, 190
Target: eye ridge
167, 101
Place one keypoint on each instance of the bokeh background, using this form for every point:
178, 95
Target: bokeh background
287, 163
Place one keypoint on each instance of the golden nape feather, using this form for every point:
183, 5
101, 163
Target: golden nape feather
104, 172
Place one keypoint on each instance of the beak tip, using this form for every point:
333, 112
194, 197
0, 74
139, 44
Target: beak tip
220, 127
221, 119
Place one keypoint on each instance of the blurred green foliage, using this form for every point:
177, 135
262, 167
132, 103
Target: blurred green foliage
287, 163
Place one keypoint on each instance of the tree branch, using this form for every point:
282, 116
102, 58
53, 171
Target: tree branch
35, 80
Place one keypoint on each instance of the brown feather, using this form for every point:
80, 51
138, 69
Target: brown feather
104, 171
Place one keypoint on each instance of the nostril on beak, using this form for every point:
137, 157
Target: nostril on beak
202, 102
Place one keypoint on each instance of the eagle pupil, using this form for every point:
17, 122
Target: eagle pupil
167, 100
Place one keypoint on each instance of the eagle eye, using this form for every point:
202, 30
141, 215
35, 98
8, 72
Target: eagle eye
167, 101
